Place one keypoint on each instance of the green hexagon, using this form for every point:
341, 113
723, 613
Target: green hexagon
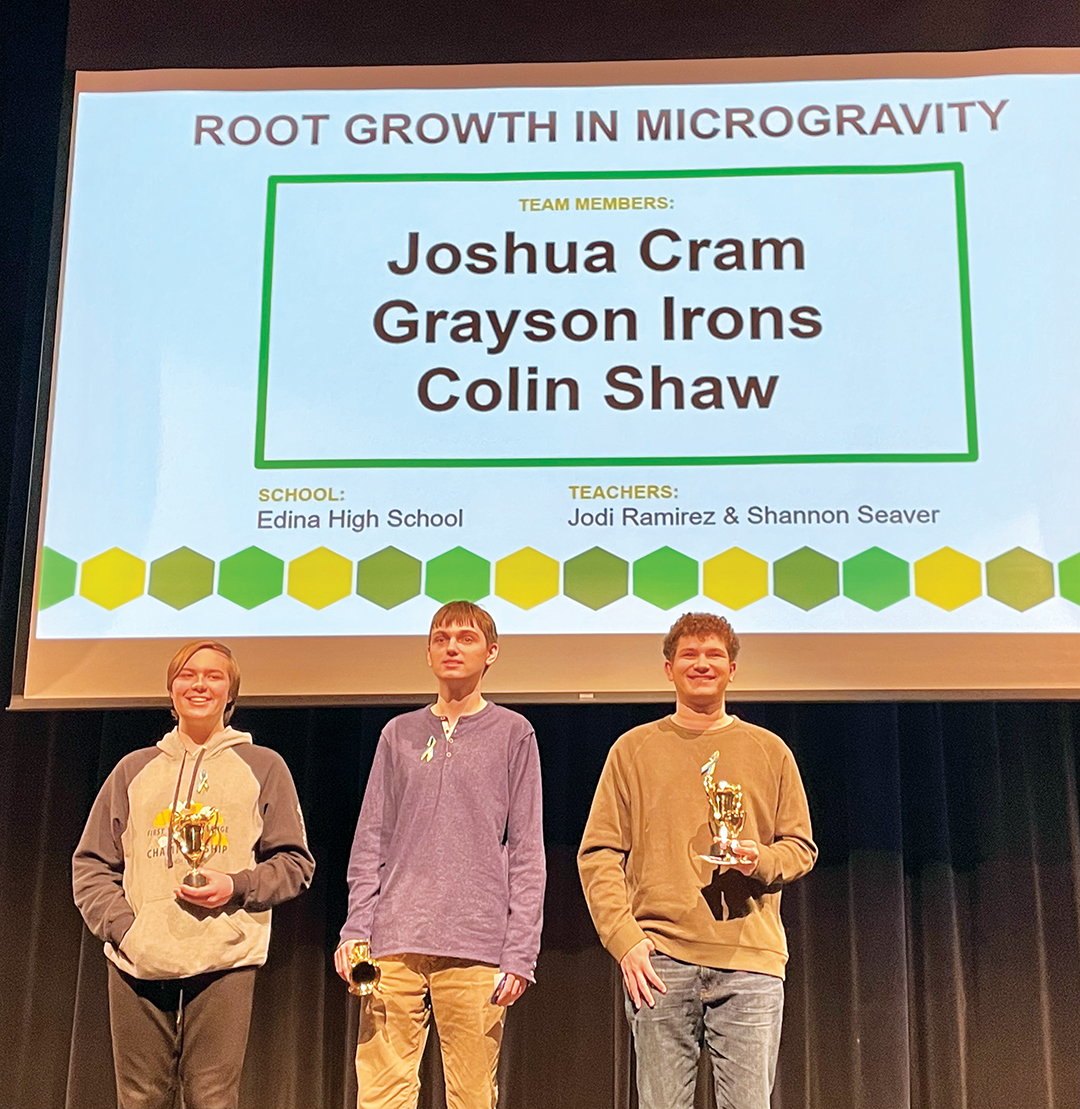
251, 577
876, 579
665, 578
458, 575
806, 578
389, 577
181, 577
1019, 579
1069, 578
56, 578
595, 578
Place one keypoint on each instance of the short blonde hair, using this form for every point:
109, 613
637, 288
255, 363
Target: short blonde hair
181, 658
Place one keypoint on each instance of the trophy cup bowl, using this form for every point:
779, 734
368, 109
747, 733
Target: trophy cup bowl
195, 831
364, 971
726, 817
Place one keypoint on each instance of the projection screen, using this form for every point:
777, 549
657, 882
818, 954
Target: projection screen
794, 340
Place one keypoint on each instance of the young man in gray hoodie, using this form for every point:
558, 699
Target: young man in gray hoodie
182, 958
446, 877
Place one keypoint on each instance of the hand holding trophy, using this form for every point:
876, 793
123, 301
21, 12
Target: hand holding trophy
726, 817
195, 830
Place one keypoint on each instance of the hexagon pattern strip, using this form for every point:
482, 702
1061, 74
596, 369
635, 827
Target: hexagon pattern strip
665, 578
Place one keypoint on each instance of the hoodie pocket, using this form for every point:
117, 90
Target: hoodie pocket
171, 939
144, 936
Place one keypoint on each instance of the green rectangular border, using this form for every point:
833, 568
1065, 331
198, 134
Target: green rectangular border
955, 168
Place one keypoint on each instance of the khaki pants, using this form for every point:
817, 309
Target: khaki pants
394, 1027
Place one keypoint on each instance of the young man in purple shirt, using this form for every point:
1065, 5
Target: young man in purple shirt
446, 877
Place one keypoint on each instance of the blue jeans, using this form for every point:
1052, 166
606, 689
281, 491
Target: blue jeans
736, 1013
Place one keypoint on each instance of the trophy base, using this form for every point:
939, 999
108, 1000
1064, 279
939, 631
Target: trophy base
195, 880
722, 854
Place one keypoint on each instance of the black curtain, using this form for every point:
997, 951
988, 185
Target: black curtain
936, 947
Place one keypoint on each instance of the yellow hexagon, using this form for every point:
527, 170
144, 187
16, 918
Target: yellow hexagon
320, 577
526, 578
112, 578
948, 579
735, 578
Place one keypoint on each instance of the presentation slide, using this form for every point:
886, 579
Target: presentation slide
799, 351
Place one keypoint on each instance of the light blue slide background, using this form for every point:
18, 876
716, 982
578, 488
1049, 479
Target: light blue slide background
153, 412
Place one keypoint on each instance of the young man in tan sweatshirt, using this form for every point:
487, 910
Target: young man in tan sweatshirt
700, 945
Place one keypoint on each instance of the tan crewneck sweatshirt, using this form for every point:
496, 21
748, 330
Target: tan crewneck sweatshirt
639, 858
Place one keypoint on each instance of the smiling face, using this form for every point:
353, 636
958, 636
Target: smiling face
200, 689
459, 652
701, 670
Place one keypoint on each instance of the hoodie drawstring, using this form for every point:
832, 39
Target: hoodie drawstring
187, 804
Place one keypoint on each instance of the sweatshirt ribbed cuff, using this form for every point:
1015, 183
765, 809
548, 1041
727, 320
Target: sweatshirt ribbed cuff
624, 938
767, 871
241, 881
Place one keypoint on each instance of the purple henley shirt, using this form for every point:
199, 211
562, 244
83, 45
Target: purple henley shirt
448, 857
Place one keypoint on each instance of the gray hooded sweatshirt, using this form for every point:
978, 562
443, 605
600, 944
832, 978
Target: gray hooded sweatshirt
126, 869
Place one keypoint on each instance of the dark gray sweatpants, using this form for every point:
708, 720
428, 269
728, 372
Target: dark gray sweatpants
180, 1033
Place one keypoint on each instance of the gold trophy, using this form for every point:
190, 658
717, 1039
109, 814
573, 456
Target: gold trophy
364, 971
727, 815
196, 829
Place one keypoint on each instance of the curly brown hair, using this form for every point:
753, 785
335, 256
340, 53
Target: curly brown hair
701, 625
